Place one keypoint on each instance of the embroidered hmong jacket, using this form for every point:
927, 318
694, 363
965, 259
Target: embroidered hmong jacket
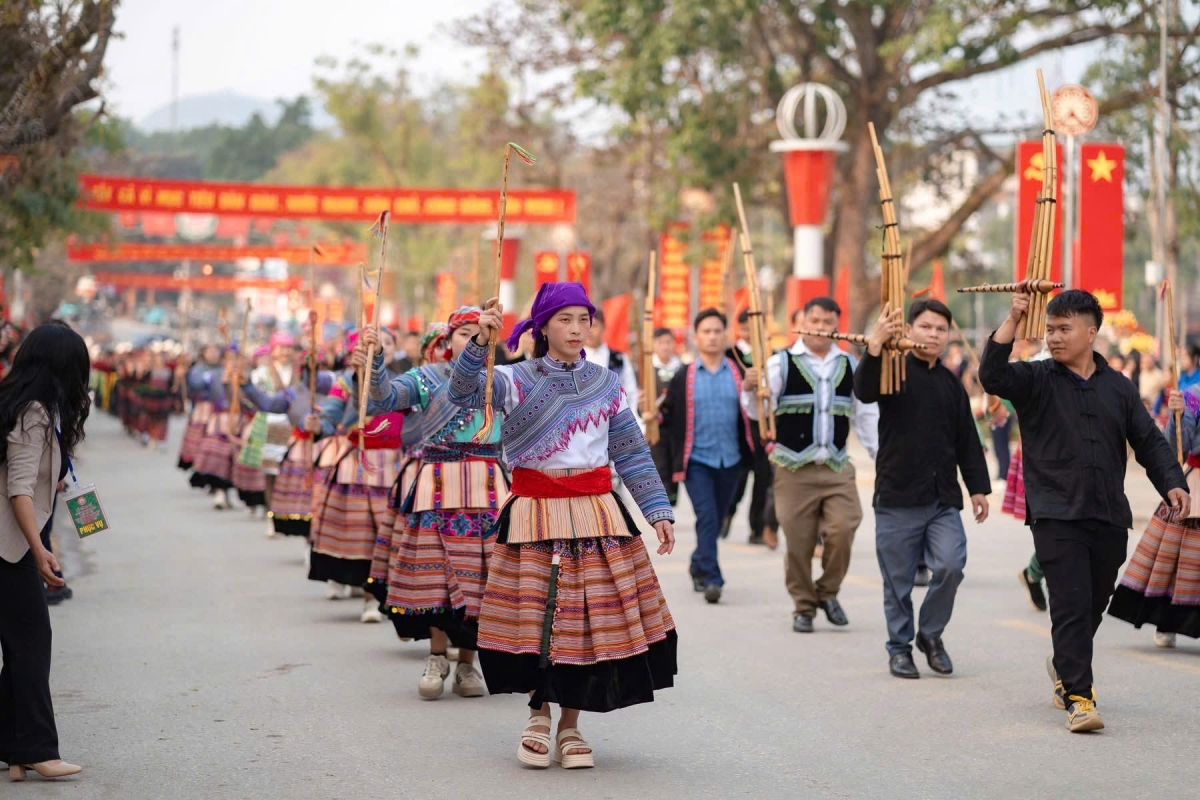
289, 400
560, 416
679, 418
443, 430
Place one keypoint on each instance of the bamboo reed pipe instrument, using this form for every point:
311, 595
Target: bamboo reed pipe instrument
649, 381
1038, 283
1032, 286
892, 273
901, 344
759, 343
1173, 349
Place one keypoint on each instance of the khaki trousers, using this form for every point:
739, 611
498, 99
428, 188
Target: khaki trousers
809, 501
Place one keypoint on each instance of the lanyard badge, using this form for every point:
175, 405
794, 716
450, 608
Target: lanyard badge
84, 505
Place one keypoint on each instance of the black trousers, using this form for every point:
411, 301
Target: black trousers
1081, 560
762, 496
27, 731
1001, 447
663, 458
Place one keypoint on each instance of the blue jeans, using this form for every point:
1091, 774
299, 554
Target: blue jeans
711, 491
902, 537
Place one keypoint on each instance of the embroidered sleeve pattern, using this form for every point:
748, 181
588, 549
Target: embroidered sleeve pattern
401, 394
629, 452
469, 376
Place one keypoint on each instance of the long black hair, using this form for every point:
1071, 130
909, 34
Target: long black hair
52, 368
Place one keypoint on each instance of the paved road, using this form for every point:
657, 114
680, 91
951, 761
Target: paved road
196, 662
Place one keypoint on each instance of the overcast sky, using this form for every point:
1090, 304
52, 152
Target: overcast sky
266, 48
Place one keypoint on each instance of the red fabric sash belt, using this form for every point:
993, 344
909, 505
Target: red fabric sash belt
532, 483
1191, 460
300, 433
383, 432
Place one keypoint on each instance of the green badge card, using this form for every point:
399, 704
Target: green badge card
86, 511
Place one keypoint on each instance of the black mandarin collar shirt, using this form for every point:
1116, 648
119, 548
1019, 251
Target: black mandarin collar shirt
927, 434
1073, 437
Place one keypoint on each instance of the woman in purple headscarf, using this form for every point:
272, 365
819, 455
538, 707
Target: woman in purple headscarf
572, 612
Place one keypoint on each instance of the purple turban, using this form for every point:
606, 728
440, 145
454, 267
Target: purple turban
551, 298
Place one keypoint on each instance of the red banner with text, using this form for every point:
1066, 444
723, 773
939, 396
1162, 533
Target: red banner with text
712, 280
462, 206
1029, 182
1100, 266
107, 253
198, 283
579, 268
545, 268
674, 274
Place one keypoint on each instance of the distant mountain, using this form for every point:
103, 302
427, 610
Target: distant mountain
218, 108
222, 108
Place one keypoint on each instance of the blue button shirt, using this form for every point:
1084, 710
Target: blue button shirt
715, 435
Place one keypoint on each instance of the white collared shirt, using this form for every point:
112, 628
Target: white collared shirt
629, 382
864, 419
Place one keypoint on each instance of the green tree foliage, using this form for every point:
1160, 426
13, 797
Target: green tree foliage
700, 79
51, 56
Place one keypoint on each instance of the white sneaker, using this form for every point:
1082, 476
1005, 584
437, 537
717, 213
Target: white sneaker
221, 501
451, 653
336, 591
433, 682
271, 533
1164, 639
371, 611
468, 682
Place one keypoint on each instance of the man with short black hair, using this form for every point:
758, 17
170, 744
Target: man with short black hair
812, 392
597, 351
927, 435
1077, 415
710, 438
764, 526
666, 364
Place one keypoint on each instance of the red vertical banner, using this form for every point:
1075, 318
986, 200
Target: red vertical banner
446, 290
712, 287
545, 268
841, 296
1029, 182
579, 268
616, 322
674, 274
1100, 255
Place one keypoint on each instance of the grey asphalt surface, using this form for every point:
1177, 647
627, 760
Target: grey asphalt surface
197, 662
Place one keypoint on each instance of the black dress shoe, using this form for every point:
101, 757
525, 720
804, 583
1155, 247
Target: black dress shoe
56, 594
697, 584
922, 576
935, 654
712, 593
834, 613
1036, 595
802, 623
902, 666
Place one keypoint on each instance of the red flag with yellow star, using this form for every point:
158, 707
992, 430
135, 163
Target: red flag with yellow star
1100, 268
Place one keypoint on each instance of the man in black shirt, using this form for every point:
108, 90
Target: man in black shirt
1077, 414
926, 436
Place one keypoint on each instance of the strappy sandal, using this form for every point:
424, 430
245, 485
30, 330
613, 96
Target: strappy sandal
529, 757
566, 753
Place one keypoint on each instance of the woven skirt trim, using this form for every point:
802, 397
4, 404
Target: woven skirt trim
322, 567
382, 466
193, 435
1014, 488
439, 562
293, 495
248, 479
474, 483
539, 519
1166, 617
288, 526
609, 603
1166, 561
599, 688
454, 623
215, 458
348, 521
377, 583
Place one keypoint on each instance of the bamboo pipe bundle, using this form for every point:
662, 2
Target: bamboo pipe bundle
892, 274
649, 382
364, 385
900, 344
1042, 286
1169, 336
758, 329
1033, 324
235, 402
